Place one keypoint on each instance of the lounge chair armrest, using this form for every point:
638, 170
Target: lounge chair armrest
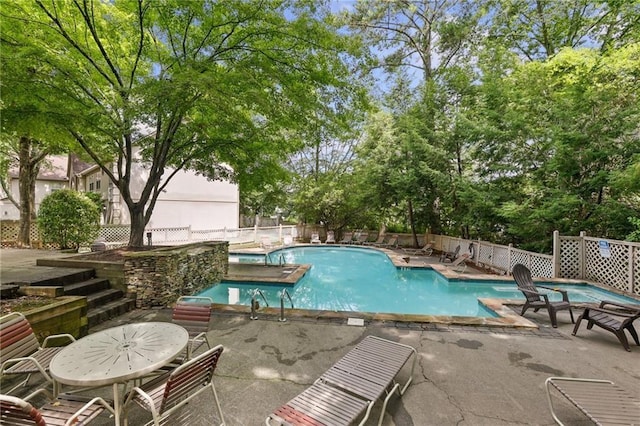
565, 296
10, 362
147, 398
58, 336
615, 313
619, 305
535, 293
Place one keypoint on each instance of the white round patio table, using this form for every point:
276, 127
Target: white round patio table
117, 355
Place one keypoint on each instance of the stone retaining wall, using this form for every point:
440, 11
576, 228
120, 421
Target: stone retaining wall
159, 277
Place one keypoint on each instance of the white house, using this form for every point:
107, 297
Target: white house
52, 176
188, 200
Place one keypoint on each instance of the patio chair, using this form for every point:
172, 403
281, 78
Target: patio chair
615, 321
536, 299
315, 238
426, 250
347, 238
392, 242
601, 400
460, 264
331, 238
64, 410
361, 238
168, 393
20, 351
450, 255
194, 314
350, 387
380, 240
265, 243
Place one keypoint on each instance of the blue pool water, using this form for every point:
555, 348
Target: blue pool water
364, 280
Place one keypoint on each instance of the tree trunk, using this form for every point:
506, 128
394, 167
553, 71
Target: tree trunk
28, 172
413, 225
138, 224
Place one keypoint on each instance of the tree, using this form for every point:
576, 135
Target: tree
69, 219
186, 85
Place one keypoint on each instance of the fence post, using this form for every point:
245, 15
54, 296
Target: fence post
555, 264
631, 282
581, 255
189, 233
255, 233
509, 255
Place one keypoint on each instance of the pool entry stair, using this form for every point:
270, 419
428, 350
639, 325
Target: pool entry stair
103, 301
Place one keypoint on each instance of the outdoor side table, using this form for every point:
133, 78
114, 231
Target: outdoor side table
117, 355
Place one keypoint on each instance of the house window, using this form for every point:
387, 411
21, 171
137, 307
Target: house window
97, 185
91, 186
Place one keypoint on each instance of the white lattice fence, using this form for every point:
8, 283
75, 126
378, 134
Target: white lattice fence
115, 233
570, 258
612, 270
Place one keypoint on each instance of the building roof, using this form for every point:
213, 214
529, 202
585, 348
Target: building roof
54, 167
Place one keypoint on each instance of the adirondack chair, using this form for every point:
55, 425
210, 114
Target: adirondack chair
65, 410
537, 300
21, 353
168, 393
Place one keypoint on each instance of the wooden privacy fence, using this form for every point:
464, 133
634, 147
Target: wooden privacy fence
613, 263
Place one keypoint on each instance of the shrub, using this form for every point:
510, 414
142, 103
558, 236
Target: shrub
69, 219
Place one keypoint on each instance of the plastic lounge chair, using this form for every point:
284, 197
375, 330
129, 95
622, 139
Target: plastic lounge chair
460, 264
392, 242
351, 386
450, 255
315, 238
266, 243
194, 314
361, 238
537, 300
380, 240
64, 410
21, 354
168, 393
601, 400
426, 250
614, 321
331, 238
347, 238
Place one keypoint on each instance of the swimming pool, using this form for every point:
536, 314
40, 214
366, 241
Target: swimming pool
365, 280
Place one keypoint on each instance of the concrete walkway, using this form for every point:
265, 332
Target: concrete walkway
466, 375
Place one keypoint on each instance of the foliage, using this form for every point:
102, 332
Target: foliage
635, 234
68, 218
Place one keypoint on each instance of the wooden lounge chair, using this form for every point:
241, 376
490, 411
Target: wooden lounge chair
347, 238
537, 300
64, 410
350, 387
194, 314
615, 321
315, 238
168, 393
600, 400
21, 353
450, 255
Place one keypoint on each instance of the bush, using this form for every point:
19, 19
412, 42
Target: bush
69, 219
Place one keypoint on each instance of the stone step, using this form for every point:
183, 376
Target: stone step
86, 287
103, 297
51, 277
109, 310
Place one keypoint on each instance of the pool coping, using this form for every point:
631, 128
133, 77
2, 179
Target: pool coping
507, 317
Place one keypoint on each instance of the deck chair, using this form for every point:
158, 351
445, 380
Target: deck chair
392, 242
194, 314
460, 264
315, 238
537, 300
601, 400
380, 240
64, 410
615, 321
350, 387
426, 250
168, 393
331, 238
361, 238
20, 351
450, 255
347, 238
